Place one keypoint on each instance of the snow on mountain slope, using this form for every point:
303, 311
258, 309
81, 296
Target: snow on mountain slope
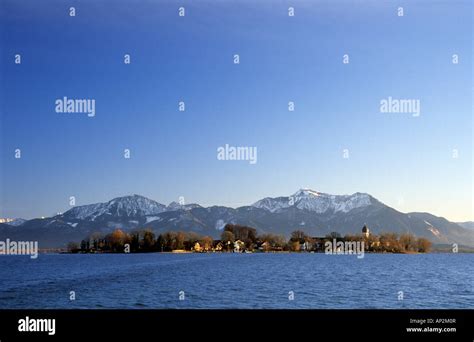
273, 205
176, 206
314, 201
127, 206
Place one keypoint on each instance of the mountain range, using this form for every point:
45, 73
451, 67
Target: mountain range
314, 212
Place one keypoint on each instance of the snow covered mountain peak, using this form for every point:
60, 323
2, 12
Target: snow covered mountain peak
126, 206
306, 192
314, 201
135, 205
173, 206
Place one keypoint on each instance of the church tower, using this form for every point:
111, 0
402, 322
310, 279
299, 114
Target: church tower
365, 231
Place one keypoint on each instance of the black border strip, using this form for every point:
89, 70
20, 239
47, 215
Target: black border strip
312, 325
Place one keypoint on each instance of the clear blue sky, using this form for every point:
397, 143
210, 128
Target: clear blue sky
404, 161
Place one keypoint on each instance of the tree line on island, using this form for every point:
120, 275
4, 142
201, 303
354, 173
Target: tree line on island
238, 239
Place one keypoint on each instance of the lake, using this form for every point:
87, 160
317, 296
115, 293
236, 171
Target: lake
300, 281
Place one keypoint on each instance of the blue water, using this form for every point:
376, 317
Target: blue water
237, 281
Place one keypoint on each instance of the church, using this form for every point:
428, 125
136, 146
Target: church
365, 231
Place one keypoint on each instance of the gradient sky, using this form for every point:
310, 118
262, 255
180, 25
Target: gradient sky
404, 161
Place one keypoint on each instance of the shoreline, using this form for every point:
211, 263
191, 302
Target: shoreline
270, 252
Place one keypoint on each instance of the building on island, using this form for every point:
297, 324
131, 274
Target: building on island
197, 247
239, 246
218, 246
365, 231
